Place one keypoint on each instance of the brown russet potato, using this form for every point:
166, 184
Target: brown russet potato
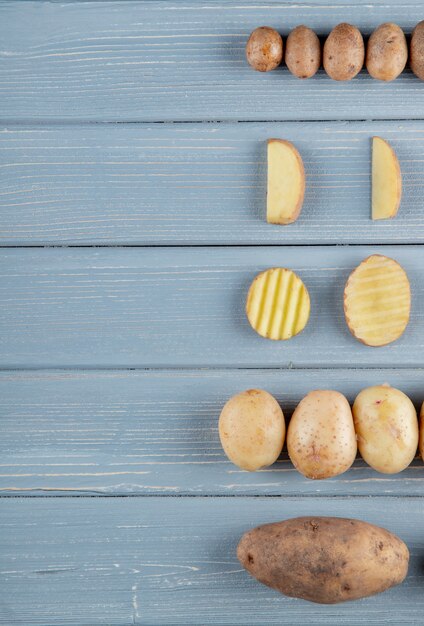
387, 52
264, 49
344, 52
303, 52
416, 51
324, 559
252, 429
386, 427
321, 438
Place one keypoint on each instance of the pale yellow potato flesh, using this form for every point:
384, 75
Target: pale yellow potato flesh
278, 304
252, 429
386, 427
321, 438
377, 301
286, 182
386, 180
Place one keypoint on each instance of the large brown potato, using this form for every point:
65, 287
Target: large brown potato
264, 49
416, 51
321, 438
387, 52
303, 52
344, 52
324, 559
252, 429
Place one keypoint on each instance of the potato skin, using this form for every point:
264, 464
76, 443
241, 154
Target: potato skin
386, 427
387, 52
252, 429
344, 52
303, 52
264, 49
321, 439
324, 559
416, 51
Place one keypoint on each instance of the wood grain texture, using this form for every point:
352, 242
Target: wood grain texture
184, 307
157, 61
160, 561
146, 432
198, 184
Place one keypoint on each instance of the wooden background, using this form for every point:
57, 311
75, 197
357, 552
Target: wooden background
132, 190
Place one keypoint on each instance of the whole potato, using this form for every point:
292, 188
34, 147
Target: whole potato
303, 52
344, 52
321, 438
252, 429
386, 428
387, 52
416, 51
421, 442
264, 49
324, 559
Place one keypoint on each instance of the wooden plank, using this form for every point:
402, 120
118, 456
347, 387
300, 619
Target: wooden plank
146, 432
156, 61
159, 561
184, 307
198, 184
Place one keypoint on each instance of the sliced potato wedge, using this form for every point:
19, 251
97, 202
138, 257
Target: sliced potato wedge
286, 182
386, 180
278, 304
377, 301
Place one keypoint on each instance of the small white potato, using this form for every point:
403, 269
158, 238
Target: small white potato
386, 426
252, 429
321, 438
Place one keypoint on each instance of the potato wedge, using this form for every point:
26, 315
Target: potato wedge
278, 304
286, 182
377, 301
386, 180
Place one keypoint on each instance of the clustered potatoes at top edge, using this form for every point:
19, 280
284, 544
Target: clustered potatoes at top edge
324, 433
343, 54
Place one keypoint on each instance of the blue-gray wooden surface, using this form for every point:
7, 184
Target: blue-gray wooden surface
161, 184
138, 127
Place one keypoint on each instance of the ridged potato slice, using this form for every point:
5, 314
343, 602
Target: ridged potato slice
386, 180
278, 304
286, 182
377, 301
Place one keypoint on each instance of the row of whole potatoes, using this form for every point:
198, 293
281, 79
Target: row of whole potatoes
324, 433
343, 54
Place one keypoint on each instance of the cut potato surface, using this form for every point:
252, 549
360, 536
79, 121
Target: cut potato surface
386, 180
377, 301
286, 182
278, 304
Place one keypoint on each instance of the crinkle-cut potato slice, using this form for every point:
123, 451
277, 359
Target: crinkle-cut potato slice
278, 304
286, 182
377, 301
386, 180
